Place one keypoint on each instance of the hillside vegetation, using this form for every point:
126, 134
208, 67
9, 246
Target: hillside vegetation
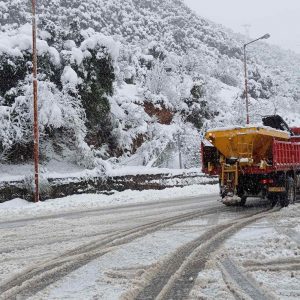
120, 82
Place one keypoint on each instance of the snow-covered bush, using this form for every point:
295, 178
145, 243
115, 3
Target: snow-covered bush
73, 85
59, 114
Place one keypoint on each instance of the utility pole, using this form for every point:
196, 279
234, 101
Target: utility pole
35, 104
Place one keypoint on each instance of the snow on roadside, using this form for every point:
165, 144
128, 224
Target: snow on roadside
266, 240
139, 170
18, 208
53, 168
260, 241
289, 282
61, 169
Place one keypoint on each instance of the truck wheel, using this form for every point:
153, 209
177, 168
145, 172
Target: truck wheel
273, 198
290, 195
243, 201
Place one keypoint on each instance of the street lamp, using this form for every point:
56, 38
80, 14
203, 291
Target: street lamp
266, 36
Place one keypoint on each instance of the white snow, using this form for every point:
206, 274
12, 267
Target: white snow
103, 277
135, 170
116, 272
99, 39
55, 57
20, 208
63, 169
69, 44
77, 55
69, 76
53, 168
14, 42
262, 243
166, 82
254, 127
14, 204
228, 93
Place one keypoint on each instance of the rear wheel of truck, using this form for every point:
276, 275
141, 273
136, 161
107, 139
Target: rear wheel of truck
243, 201
290, 195
273, 198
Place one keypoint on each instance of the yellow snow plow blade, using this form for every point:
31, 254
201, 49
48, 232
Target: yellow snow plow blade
249, 145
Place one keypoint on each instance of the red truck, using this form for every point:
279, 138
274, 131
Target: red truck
254, 161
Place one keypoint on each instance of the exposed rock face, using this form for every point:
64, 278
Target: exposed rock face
163, 114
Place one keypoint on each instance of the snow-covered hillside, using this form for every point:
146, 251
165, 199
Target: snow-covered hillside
127, 81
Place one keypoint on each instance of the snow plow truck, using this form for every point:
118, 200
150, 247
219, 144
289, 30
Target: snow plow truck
254, 161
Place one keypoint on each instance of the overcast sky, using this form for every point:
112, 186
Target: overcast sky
280, 18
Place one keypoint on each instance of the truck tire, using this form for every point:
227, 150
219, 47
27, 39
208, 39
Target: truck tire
290, 195
273, 198
243, 201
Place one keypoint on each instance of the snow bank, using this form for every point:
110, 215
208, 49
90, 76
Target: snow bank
15, 204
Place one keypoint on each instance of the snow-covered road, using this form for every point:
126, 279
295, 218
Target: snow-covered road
165, 244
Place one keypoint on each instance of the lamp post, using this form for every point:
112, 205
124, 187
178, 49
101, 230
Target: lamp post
266, 36
35, 104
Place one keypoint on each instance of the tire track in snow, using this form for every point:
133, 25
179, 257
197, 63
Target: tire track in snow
273, 265
175, 277
243, 285
132, 207
119, 213
34, 279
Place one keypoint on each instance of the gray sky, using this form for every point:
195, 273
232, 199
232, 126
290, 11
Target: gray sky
280, 18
